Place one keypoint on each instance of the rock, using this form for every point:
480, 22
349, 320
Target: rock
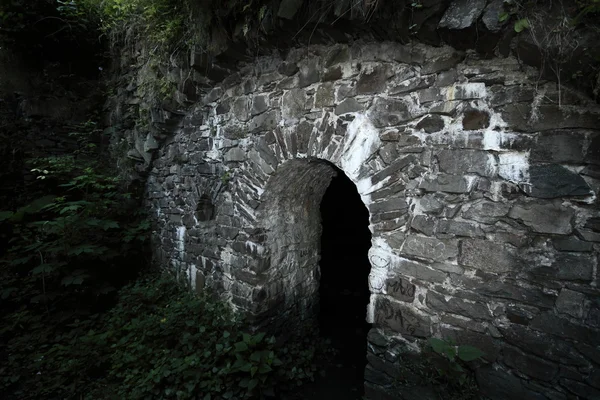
570, 302
497, 384
259, 104
423, 224
465, 161
544, 218
475, 120
324, 96
389, 112
486, 255
462, 14
289, 8
534, 367
549, 323
440, 59
400, 289
459, 228
288, 69
410, 85
571, 244
521, 117
431, 123
458, 306
309, 73
558, 147
373, 81
552, 181
348, 106
401, 318
294, 102
491, 15
487, 212
445, 183
235, 154
430, 248
264, 122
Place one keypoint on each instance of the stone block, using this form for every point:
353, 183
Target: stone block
519, 117
401, 289
570, 302
431, 124
401, 318
373, 80
552, 181
505, 290
259, 104
430, 248
294, 102
389, 112
544, 218
566, 266
486, 256
497, 384
571, 244
445, 183
559, 147
462, 14
548, 322
532, 366
465, 161
235, 154
423, 224
458, 306
324, 96
459, 228
264, 122
348, 106
412, 84
393, 204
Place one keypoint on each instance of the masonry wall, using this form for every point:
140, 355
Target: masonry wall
480, 179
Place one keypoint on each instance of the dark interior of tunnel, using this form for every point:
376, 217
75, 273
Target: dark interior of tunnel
344, 291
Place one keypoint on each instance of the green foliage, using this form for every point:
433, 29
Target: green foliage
158, 342
454, 357
65, 253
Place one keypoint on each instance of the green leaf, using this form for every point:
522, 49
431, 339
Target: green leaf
252, 384
43, 269
469, 353
240, 347
4, 215
521, 24
503, 17
438, 345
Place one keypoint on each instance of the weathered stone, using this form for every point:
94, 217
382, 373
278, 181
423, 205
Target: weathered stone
430, 204
393, 204
542, 345
505, 290
332, 74
400, 289
475, 119
532, 366
445, 183
440, 59
544, 218
521, 117
309, 73
491, 15
581, 389
289, 8
466, 161
486, 255
372, 81
412, 84
551, 181
324, 96
571, 244
457, 306
419, 271
570, 302
558, 147
389, 112
423, 224
263, 122
288, 69
487, 212
459, 228
401, 318
294, 102
429, 248
462, 14
348, 106
550, 323
235, 154
569, 266
431, 124
259, 104
241, 108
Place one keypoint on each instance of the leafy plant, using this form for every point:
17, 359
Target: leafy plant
454, 356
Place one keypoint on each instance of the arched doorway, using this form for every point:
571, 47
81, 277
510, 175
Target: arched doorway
318, 239
344, 290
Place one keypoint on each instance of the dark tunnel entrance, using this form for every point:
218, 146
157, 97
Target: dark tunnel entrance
344, 290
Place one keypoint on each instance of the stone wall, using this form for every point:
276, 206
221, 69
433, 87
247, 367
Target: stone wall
481, 182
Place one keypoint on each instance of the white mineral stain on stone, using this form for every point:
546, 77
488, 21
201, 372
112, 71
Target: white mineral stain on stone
514, 166
362, 140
